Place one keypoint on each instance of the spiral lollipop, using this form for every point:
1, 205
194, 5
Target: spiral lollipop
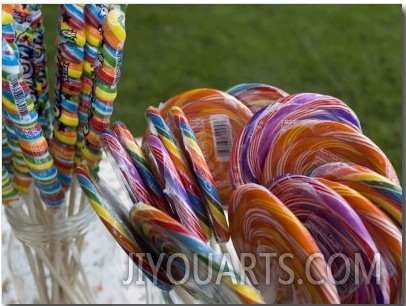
7, 154
159, 128
260, 223
118, 225
134, 151
107, 75
375, 187
337, 229
307, 145
167, 236
70, 43
197, 162
11, 197
387, 237
217, 120
255, 95
33, 144
171, 184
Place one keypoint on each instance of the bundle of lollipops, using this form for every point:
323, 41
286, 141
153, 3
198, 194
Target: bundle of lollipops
314, 206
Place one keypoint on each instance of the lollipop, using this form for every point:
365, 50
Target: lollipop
337, 229
132, 178
7, 154
217, 120
307, 145
260, 224
167, 236
373, 186
128, 141
171, 184
11, 197
159, 128
387, 237
255, 95
118, 225
195, 158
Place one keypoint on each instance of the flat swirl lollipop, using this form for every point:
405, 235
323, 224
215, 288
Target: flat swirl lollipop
387, 237
133, 180
217, 120
167, 236
375, 187
256, 95
309, 144
261, 225
337, 229
118, 225
134, 151
159, 128
194, 155
171, 184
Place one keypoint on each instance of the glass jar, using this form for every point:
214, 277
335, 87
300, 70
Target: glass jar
71, 260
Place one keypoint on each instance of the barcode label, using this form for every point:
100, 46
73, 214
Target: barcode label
221, 130
19, 98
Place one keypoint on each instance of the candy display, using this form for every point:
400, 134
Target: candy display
336, 228
217, 120
255, 96
196, 160
260, 222
159, 128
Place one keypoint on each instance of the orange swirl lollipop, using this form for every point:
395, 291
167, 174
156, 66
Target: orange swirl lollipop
260, 224
217, 120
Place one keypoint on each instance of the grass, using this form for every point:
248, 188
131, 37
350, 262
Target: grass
352, 52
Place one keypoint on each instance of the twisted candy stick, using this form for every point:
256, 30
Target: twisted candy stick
336, 228
11, 197
260, 221
387, 237
132, 177
373, 186
255, 96
307, 145
29, 134
217, 120
94, 17
196, 160
40, 71
70, 42
160, 128
107, 75
118, 226
134, 151
171, 184
167, 236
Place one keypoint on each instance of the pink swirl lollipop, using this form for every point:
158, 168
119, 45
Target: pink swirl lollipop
261, 225
217, 120
171, 184
337, 229
307, 145
255, 95
387, 237
375, 187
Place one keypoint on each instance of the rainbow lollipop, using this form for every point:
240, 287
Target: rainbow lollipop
118, 225
337, 229
134, 151
217, 120
307, 145
375, 187
387, 237
11, 197
159, 128
197, 261
260, 224
171, 184
195, 158
255, 95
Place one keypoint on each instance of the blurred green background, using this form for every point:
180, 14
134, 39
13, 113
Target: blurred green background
352, 52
